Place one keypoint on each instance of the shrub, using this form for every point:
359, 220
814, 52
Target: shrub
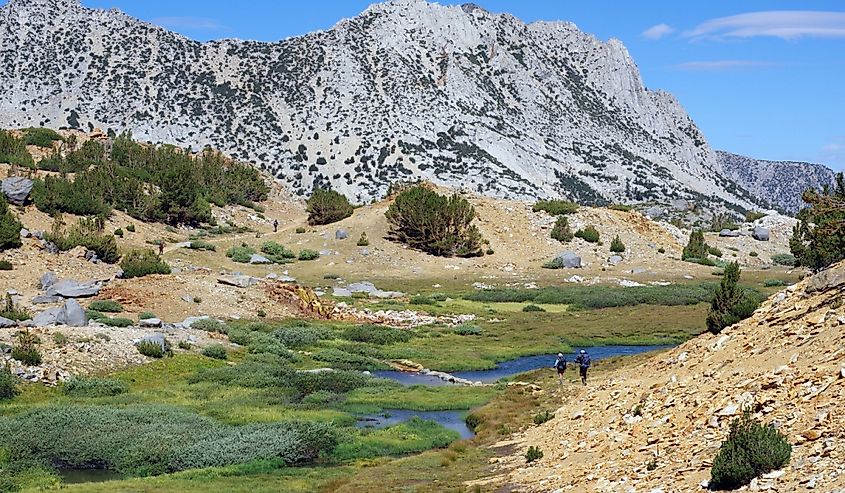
27, 354
87, 233
770, 283
786, 259
276, 252
696, 248
589, 234
94, 387
620, 207
339, 358
12, 311
533, 453
210, 325
753, 254
327, 206
543, 417
118, 232
714, 251
130, 228
298, 336
260, 342
146, 315
750, 450
139, 263
5, 265
434, 224
489, 251
95, 315
473, 421
661, 250
616, 246
202, 245
376, 334
533, 308
41, 137
216, 351
109, 306
468, 330
13, 150
8, 383
59, 339
152, 349
307, 254
185, 344
10, 227
421, 299
818, 240
438, 297
752, 216
555, 207
300, 230
730, 303
597, 297
241, 254
116, 321
363, 240
561, 231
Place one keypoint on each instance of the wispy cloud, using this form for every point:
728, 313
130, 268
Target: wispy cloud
833, 153
658, 31
188, 22
721, 65
786, 24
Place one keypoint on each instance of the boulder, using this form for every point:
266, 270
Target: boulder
149, 322
654, 212
188, 322
370, 289
17, 189
680, 205
728, 233
74, 315
569, 260
826, 280
259, 259
25, 233
5, 323
68, 288
760, 234
341, 234
43, 299
51, 316
47, 279
614, 259
38, 234
157, 339
238, 280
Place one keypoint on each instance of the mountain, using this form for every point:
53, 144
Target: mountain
777, 184
407, 89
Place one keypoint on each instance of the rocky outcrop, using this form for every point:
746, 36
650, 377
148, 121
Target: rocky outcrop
777, 184
657, 427
17, 189
407, 89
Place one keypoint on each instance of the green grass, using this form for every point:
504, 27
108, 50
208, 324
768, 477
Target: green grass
417, 398
592, 297
414, 435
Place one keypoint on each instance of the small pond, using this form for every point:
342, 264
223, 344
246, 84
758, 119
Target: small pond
515, 366
453, 420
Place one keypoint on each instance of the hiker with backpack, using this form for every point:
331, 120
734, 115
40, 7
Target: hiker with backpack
560, 366
583, 362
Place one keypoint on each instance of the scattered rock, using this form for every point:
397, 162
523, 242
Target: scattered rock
43, 299
69, 288
17, 189
341, 234
25, 233
71, 313
654, 212
729, 233
614, 259
47, 279
370, 289
825, 280
150, 322
238, 280
569, 260
188, 322
6, 323
760, 233
157, 339
259, 259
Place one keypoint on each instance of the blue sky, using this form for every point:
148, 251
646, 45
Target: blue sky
761, 78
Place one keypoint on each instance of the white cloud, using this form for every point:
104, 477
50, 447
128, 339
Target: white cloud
658, 31
833, 153
720, 65
786, 24
198, 23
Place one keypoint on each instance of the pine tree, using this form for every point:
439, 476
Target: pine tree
730, 303
818, 240
696, 248
561, 231
616, 246
10, 227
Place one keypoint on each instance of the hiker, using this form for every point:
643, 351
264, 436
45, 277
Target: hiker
275, 225
560, 366
583, 361
160, 248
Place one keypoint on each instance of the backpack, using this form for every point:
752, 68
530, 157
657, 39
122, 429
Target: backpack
584, 360
560, 364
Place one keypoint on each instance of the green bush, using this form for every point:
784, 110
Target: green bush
438, 297
87, 233
202, 245
12, 311
59, 339
109, 306
421, 299
146, 315
376, 334
561, 231
185, 344
752, 216
261, 342
298, 336
616, 246
8, 383
5, 265
241, 254
94, 387
327, 206
10, 227
730, 303
341, 359
468, 330
307, 254
555, 207
714, 251
589, 234
363, 240
434, 224
543, 417
696, 247
149, 440
786, 259
750, 450
27, 354
473, 421
533, 453
13, 150
533, 308
139, 263
216, 351
118, 232
41, 137
753, 254
770, 283
116, 321
276, 252
818, 240
130, 228
95, 315
210, 325
152, 349
661, 250
300, 230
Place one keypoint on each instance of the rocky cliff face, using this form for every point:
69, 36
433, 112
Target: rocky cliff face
406, 89
659, 426
777, 184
